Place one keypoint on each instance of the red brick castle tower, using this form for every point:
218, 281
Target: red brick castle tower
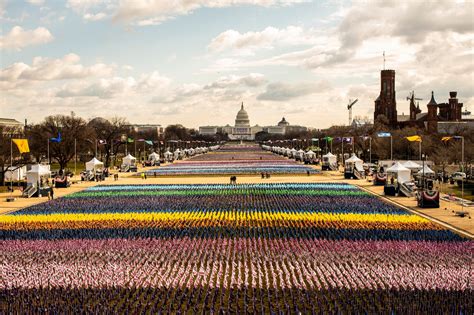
386, 104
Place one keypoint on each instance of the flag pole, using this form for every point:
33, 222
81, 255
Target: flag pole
370, 150
462, 177
419, 148
75, 157
96, 148
48, 152
11, 166
391, 147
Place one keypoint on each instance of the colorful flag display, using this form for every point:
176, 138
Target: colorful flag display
22, 145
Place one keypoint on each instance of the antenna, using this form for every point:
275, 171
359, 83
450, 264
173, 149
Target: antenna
349, 107
384, 59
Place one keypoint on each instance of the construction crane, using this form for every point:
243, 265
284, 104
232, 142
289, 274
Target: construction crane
349, 107
412, 97
414, 109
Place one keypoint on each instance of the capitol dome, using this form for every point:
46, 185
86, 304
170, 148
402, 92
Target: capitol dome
242, 119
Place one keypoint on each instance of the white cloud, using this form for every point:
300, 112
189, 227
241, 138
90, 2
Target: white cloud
19, 38
45, 69
250, 80
107, 88
152, 12
95, 17
36, 2
268, 38
280, 91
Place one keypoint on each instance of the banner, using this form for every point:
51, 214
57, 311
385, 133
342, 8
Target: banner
328, 139
384, 134
414, 138
58, 139
22, 145
347, 139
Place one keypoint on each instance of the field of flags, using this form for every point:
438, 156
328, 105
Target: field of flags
234, 160
255, 248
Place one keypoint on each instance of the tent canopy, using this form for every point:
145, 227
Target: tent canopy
412, 165
37, 171
310, 153
403, 173
354, 159
426, 170
328, 155
153, 156
129, 160
94, 164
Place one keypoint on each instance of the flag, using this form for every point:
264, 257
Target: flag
347, 139
149, 142
58, 139
22, 145
414, 138
365, 138
130, 140
328, 139
445, 139
384, 134
102, 141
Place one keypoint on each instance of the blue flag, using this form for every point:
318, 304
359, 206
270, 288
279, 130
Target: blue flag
384, 134
58, 139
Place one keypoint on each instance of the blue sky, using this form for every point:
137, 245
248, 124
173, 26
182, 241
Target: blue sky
194, 62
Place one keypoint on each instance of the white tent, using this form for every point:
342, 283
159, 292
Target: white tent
154, 157
426, 170
129, 160
168, 155
412, 165
310, 154
354, 160
402, 173
37, 172
94, 165
330, 158
18, 173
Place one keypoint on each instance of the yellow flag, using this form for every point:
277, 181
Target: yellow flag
414, 138
446, 138
22, 145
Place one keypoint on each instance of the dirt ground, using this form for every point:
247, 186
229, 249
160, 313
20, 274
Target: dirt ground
444, 215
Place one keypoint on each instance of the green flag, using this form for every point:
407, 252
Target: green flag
130, 140
328, 139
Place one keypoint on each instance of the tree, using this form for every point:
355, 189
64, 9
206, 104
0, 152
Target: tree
177, 132
72, 128
110, 131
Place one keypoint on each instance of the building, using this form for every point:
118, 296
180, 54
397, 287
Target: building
443, 114
386, 103
9, 124
242, 130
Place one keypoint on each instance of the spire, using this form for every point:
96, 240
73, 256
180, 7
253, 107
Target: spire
432, 101
242, 107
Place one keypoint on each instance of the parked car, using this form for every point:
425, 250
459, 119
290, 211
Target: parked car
458, 176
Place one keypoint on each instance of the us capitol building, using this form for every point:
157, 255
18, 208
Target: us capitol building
243, 131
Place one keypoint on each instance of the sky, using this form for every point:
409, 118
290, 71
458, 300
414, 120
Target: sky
193, 62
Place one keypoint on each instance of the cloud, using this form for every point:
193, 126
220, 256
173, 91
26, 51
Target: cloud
19, 38
152, 12
280, 91
45, 69
35, 2
250, 80
107, 88
95, 17
266, 39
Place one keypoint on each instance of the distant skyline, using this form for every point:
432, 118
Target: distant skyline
193, 62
